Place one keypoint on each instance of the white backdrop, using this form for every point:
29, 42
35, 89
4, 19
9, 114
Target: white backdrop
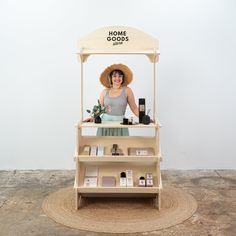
39, 77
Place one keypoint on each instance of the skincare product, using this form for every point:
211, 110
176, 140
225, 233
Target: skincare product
141, 109
108, 181
114, 150
86, 150
90, 181
123, 179
129, 178
91, 176
100, 151
141, 182
149, 180
93, 151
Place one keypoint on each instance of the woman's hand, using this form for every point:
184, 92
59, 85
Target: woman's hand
90, 119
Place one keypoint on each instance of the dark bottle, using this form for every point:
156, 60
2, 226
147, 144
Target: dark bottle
141, 108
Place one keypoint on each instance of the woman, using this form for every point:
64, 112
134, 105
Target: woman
115, 97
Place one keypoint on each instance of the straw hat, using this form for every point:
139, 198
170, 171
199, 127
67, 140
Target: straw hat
105, 76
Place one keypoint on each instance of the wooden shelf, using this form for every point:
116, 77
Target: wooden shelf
112, 124
136, 190
124, 142
100, 189
135, 159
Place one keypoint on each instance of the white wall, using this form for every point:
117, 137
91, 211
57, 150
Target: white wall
39, 77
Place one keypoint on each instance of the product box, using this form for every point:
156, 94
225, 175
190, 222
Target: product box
137, 151
91, 176
100, 151
91, 171
108, 181
93, 151
149, 182
122, 181
142, 183
86, 150
149, 179
129, 178
149, 176
90, 181
129, 173
129, 182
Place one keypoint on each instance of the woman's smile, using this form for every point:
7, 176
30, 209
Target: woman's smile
117, 79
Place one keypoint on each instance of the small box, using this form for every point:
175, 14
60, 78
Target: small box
86, 150
108, 181
149, 182
149, 176
91, 171
142, 182
137, 151
122, 181
90, 181
149, 179
129, 173
100, 151
93, 151
129, 178
129, 182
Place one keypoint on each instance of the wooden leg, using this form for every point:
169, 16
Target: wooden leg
159, 201
79, 201
76, 200
155, 201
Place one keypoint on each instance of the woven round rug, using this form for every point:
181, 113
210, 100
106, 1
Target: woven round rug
120, 215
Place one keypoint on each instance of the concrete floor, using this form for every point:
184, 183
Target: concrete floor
22, 194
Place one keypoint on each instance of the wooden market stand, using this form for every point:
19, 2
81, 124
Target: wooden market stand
118, 40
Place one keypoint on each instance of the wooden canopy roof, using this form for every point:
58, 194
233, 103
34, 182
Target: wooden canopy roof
118, 40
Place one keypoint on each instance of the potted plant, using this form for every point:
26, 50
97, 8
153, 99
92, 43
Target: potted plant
97, 111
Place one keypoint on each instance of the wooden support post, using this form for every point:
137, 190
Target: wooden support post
154, 92
159, 200
79, 201
81, 90
76, 199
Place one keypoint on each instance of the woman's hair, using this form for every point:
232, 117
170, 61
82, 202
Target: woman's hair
119, 72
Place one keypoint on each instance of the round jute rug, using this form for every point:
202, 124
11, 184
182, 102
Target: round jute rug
120, 215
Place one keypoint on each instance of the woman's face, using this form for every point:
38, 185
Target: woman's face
117, 79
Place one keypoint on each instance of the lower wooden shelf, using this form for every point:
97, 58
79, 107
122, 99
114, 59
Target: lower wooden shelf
117, 189
136, 190
153, 192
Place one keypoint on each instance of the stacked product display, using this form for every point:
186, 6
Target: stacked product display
111, 166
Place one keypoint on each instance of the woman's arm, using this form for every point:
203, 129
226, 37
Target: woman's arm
101, 98
131, 101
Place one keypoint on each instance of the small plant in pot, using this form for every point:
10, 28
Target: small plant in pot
97, 111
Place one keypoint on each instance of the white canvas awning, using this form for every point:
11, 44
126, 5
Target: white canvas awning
118, 40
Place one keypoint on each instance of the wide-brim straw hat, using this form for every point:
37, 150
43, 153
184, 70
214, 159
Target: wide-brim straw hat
105, 76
